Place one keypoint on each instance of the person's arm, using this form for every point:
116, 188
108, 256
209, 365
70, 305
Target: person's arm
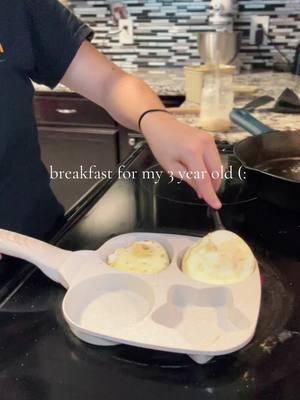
176, 146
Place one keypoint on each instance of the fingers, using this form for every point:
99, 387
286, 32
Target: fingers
180, 172
196, 156
205, 187
203, 157
213, 163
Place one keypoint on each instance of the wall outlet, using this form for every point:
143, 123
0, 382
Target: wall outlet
256, 20
126, 31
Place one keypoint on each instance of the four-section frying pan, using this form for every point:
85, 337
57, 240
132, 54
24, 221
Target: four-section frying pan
272, 160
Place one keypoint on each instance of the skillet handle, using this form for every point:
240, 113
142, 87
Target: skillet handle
245, 120
45, 256
214, 214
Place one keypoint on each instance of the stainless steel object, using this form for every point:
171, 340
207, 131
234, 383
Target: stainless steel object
222, 14
66, 110
132, 142
218, 47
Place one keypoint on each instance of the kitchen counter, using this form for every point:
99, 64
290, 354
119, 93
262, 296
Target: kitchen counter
275, 120
165, 82
170, 82
268, 83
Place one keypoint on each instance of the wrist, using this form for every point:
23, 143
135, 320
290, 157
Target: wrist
153, 118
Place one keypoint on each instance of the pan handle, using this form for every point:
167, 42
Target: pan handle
214, 214
245, 120
259, 102
45, 256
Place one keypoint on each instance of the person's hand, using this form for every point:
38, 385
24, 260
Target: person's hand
189, 153
118, 11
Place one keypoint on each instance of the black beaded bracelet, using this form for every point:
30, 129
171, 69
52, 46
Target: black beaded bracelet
150, 111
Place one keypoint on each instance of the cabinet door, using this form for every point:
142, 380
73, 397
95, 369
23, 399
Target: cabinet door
68, 152
70, 110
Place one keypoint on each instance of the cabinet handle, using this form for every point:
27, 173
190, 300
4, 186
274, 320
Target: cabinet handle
66, 110
132, 142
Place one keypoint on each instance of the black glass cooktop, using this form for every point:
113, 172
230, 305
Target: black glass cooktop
41, 359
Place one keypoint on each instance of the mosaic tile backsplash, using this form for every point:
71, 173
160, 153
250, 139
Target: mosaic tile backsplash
164, 30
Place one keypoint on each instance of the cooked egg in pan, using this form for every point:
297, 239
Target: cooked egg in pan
144, 257
221, 257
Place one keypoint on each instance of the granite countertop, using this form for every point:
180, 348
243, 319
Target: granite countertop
165, 82
171, 82
268, 83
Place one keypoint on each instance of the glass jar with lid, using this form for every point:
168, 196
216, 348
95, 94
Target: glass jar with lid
217, 98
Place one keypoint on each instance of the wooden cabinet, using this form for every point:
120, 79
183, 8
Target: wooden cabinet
69, 109
76, 136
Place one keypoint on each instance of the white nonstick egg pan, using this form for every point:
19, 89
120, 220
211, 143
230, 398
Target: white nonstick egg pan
167, 311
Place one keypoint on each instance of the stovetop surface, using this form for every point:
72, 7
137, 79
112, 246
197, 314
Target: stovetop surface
41, 359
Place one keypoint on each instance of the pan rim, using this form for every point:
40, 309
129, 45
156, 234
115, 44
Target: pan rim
244, 164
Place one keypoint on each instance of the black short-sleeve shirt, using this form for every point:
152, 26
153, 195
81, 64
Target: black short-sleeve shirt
38, 41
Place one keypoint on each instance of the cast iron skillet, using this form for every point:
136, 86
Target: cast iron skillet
272, 160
